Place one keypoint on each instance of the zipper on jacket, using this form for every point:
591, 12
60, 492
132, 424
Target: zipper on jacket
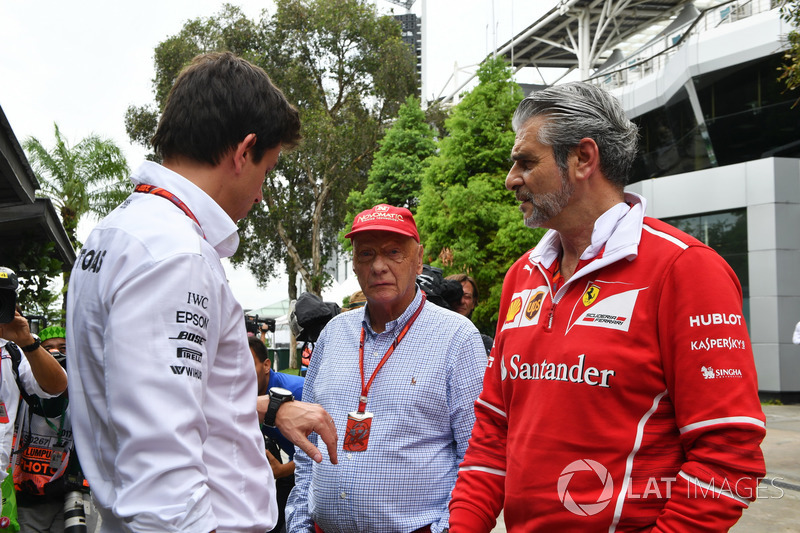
549, 326
546, 275
554, 298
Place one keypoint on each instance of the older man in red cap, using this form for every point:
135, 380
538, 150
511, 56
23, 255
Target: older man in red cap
400, 377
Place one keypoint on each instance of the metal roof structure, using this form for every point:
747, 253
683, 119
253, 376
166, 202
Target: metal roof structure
23, 217
584, 35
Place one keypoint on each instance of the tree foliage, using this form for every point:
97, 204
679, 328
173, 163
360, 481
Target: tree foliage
395, 177
228, 30
469, 222
36, 267
790, 73
88, 178
347, 70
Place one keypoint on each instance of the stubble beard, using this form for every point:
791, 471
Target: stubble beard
546, 206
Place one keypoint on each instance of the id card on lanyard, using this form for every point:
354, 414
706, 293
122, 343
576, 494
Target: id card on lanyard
359, 423
3, 411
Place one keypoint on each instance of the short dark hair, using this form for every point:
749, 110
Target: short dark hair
217, 100
259, 348
461, 278
579, 110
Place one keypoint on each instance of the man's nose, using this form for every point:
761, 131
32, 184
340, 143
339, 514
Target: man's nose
514, 177
379, 263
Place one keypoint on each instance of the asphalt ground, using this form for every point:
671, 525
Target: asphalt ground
777, 506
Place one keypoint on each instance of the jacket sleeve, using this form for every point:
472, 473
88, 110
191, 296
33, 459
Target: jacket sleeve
466, 362
154, 394
711, 378
298, 515
29, 380
480, 488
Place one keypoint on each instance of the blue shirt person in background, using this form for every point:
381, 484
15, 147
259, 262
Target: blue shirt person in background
399, 377
274, 441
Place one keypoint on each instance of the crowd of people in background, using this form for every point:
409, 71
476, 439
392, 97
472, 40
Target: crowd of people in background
408, 419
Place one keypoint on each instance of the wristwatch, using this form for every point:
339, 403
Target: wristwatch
33, 346
277, 397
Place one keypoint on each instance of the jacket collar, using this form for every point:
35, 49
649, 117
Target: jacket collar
616, 234
220, 231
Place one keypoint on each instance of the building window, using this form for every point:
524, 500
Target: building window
748, 113
669, 141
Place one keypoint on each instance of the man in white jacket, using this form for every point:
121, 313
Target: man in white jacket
161, 377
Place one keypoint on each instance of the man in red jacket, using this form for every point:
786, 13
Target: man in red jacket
621, 393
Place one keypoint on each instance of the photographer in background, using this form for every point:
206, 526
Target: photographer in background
261, 327
26, 370
44, 463
468, 302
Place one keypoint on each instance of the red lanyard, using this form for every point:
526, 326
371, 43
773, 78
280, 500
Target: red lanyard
163, 193
362, 401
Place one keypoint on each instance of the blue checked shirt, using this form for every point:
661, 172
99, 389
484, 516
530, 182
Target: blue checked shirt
422, 400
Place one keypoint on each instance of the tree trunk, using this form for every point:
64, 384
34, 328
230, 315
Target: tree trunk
294, 359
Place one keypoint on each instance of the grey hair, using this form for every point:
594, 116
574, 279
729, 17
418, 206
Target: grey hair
578, 110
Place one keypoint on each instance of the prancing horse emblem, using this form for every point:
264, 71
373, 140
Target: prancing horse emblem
590, 295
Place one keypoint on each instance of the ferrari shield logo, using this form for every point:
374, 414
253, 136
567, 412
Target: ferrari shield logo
590, 295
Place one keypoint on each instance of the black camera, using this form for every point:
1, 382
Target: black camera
8, 294
443, 292
253, 324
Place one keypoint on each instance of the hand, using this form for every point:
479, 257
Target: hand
279, 469
17, 331
46, 370
297, 419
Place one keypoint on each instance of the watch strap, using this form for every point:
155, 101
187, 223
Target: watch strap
32, 347
275, 401
272, 411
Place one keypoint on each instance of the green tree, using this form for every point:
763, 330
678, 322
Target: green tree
228, 30
469, 222
88, 178
395, 177
790, 73
36, 265
347, 70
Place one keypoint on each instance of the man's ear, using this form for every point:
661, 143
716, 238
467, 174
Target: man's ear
267, 364
587, 158
242, 151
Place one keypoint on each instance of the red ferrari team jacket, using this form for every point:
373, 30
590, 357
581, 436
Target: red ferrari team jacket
626, 400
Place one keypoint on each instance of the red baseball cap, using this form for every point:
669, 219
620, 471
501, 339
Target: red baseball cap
384, 217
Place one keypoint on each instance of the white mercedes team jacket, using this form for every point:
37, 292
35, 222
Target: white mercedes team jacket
161, 381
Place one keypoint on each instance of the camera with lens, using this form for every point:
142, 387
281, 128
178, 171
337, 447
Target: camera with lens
253, 324
8, 294
440, 291
60, 357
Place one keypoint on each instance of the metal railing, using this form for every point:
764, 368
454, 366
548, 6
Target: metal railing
654, 55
